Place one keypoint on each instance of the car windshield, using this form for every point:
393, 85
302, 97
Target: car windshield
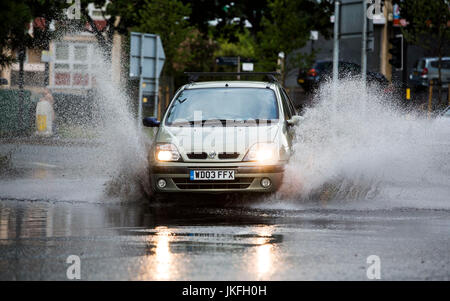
223, 104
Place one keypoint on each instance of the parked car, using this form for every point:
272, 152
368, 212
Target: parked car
321, 70
426, 69
446, 113
251, 124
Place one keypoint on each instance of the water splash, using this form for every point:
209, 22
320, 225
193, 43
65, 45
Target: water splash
123, 144
359, 146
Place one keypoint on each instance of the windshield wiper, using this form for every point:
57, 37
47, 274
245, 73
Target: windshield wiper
259, 121
224, 122
202, 122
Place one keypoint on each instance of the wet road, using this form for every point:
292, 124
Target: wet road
51, 208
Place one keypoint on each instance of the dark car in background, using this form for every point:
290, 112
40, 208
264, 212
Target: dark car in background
321, 70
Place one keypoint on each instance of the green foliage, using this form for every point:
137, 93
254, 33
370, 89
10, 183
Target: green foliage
168, 19
17, 114
245, 46
196, 53
288, 27
428, 22
17, 15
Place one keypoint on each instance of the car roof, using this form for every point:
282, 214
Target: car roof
231, 84
444, 58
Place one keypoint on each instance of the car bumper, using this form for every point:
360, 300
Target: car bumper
247, 177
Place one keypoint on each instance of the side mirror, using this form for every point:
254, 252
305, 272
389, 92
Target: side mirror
294, 120
151, 122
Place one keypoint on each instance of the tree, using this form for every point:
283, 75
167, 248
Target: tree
225, 13
168, 19
118, 15
288, 27
245, 46
428, 27
17, 15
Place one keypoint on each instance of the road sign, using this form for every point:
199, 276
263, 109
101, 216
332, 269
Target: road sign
247, 66
232, 60
146, 62
227, 60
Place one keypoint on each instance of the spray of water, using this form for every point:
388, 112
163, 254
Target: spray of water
359, 146
123, 145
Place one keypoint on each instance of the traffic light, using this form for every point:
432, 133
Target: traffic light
397, 52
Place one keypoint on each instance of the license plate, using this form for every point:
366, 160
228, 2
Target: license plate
214, 175
301, 81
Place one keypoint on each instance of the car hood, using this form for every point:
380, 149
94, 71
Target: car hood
236, 139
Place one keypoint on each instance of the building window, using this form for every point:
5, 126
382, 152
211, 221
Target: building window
72, 65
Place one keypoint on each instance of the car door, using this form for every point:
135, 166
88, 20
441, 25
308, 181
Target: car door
290, 111
445, 71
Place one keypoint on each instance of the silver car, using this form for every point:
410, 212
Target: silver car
426, 69
221, 137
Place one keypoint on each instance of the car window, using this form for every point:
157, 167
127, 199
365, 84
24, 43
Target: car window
203, 104
286, 108
323, 65
445, 64
289, 102
421, 64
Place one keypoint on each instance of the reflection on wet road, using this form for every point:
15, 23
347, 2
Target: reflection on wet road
182, 242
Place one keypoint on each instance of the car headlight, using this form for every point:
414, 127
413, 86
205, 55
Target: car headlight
262, 152
167, 152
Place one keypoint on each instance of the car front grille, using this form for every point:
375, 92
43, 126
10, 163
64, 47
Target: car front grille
204, 156
228, 155
238, 183
201, 156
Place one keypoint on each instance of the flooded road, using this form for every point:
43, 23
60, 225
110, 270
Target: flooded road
51, 208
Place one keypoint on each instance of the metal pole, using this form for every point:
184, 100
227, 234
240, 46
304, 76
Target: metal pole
404, 63
141, 81
336, 43
430, 98
238, 66
364, 44
155, 110
22, 53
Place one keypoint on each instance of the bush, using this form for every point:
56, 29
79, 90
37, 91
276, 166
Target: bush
17, 118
